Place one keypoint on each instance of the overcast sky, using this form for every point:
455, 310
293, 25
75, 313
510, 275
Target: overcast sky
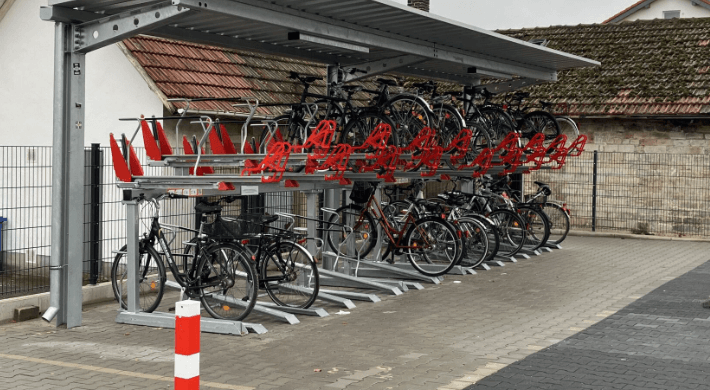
505, 14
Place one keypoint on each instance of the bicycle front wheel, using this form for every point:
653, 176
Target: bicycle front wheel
289, 275
228, 281
432, 246
151, 278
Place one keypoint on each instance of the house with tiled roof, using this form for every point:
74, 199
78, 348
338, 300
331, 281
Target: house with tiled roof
114, 89
662, 9
651, 92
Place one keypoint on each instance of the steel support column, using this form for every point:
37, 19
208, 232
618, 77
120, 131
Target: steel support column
67, 182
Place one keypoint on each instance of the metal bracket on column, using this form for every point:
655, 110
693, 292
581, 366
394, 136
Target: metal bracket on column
102, 32
382, 66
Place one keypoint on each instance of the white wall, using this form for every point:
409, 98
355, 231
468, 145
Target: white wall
656, 8
114, 89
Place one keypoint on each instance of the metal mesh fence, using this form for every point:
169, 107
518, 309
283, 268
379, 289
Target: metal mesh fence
663, 194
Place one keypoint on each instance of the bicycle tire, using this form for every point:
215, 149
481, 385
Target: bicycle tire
567, 127
540, 122
409, 115
448, 121
432, 246
474, 242
559, 222
500, 124
151, 285
228, 282
480, 139
361, 126
491, 232
510, 230
296, 274
537, 227
354, 216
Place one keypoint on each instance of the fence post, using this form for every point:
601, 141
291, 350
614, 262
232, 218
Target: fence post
95, 213
594, 191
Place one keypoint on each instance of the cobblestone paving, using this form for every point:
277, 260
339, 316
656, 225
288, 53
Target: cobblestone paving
657, 342
469, 329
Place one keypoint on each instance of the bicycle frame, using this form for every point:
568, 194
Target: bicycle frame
189, 280
389, 230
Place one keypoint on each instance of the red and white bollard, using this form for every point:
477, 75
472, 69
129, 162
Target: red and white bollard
187, 345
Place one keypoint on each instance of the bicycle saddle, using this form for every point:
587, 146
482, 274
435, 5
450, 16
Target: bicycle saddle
425, 86
389, 82
455, 94
208, 208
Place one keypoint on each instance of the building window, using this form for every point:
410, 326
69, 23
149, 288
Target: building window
671, 14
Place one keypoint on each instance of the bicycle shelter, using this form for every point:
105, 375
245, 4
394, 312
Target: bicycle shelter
376, 36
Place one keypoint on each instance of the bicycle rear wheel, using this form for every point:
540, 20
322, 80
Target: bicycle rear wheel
499, 123
475, 242
510, 230
409, 115
364, 233
537, 227
228, 281
540, 122
567, 127
361, 126
432, 246
151, 278
289, 275
491, 233
559, 222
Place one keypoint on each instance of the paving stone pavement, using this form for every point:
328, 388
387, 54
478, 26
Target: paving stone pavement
537, 323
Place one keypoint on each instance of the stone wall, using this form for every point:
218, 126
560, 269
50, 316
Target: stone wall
653, 177
647, 136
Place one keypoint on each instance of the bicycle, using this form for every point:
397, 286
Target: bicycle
535, 220
567, 125
479, 241
220, 273
354, 123
287, 271
431, 244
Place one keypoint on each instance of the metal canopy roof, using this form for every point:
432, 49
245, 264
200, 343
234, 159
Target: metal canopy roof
373, 35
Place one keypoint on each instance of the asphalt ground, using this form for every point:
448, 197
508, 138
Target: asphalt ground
601, 313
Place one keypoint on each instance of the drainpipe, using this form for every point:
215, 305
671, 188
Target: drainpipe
58, 171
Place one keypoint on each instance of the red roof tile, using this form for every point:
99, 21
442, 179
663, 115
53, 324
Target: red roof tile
187, 70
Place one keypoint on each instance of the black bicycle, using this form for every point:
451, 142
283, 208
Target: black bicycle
287, 271
218, 273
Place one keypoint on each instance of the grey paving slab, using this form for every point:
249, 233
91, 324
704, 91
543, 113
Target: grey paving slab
446, 336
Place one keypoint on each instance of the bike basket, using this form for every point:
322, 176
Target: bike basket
235, 226
362, 191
